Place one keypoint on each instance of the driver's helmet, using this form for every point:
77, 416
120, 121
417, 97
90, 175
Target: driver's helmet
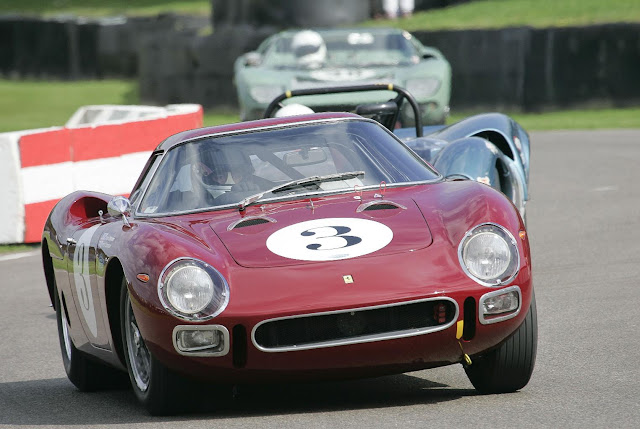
212, 172
309, 49
293, 109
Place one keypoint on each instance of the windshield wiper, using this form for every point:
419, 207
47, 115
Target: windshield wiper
299, 183
313, 180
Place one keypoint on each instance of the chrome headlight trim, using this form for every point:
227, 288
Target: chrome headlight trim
507, 316
218, 301
511, 270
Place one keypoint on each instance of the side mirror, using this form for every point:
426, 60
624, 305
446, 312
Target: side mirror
119, 206
252, 59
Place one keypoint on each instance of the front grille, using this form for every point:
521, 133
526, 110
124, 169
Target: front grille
355, 326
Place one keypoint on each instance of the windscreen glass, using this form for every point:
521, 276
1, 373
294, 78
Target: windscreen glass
301, 160
342, 49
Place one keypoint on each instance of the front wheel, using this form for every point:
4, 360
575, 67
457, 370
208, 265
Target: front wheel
155, 386
508, 368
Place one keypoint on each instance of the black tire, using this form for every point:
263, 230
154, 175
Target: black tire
155, 386
508, 367
87, 375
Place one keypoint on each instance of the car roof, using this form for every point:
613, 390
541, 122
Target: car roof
375, 30
184, 136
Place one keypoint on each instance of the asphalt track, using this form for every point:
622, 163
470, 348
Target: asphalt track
584, 227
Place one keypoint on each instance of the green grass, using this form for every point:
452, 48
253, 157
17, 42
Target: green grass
26, 104
476, 14
17, 248
584, 119
512, 13
99, 8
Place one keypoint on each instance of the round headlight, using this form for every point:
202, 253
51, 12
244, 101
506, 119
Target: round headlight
189, 289
193, 290
423, 87
488, 254
265, 93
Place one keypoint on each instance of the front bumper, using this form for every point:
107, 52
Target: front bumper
250, 357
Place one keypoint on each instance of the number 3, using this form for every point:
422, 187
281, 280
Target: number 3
339, 231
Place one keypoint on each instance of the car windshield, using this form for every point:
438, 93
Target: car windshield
346, 49
294, 161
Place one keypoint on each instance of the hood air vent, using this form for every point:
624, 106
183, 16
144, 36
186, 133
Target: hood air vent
379, 205
250, 221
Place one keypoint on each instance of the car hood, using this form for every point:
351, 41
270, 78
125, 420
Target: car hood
324, 229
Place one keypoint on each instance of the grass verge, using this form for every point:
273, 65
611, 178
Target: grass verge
476, 14
101, 8
18, 248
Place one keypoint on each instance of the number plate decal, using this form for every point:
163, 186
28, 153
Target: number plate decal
329, 239
82, 278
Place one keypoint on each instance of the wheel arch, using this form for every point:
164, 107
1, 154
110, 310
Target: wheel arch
471, 157
114, 275
499, 140
49, 274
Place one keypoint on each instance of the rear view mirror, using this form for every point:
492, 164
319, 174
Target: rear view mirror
305, 157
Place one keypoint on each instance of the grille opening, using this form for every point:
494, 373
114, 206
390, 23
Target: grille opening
469, 330
239, 346
350, 325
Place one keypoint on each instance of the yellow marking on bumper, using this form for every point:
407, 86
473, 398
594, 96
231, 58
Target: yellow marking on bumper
460, 327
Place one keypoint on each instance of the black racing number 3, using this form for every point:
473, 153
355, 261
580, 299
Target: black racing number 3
329, 239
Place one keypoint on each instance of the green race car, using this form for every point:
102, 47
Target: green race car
305, 59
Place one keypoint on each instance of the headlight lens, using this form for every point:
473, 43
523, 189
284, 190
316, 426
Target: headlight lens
193, 290
265, 93
488, 254
422, 88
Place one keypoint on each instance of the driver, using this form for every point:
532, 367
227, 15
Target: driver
220, 174
213, 176
309, 49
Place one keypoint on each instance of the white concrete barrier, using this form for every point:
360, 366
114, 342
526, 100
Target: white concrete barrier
101, 148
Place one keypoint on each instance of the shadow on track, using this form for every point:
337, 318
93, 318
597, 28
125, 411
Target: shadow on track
56, 401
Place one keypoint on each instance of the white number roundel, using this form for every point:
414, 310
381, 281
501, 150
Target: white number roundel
329, 239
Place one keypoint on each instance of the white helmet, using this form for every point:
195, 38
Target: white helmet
293, 110
309, 48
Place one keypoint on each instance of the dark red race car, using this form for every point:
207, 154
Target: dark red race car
301, 248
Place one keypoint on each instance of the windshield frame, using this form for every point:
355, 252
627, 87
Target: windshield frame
160, 157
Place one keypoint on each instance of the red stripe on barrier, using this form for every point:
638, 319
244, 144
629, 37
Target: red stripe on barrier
107, 141
48, 147
82, 144
35, 216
